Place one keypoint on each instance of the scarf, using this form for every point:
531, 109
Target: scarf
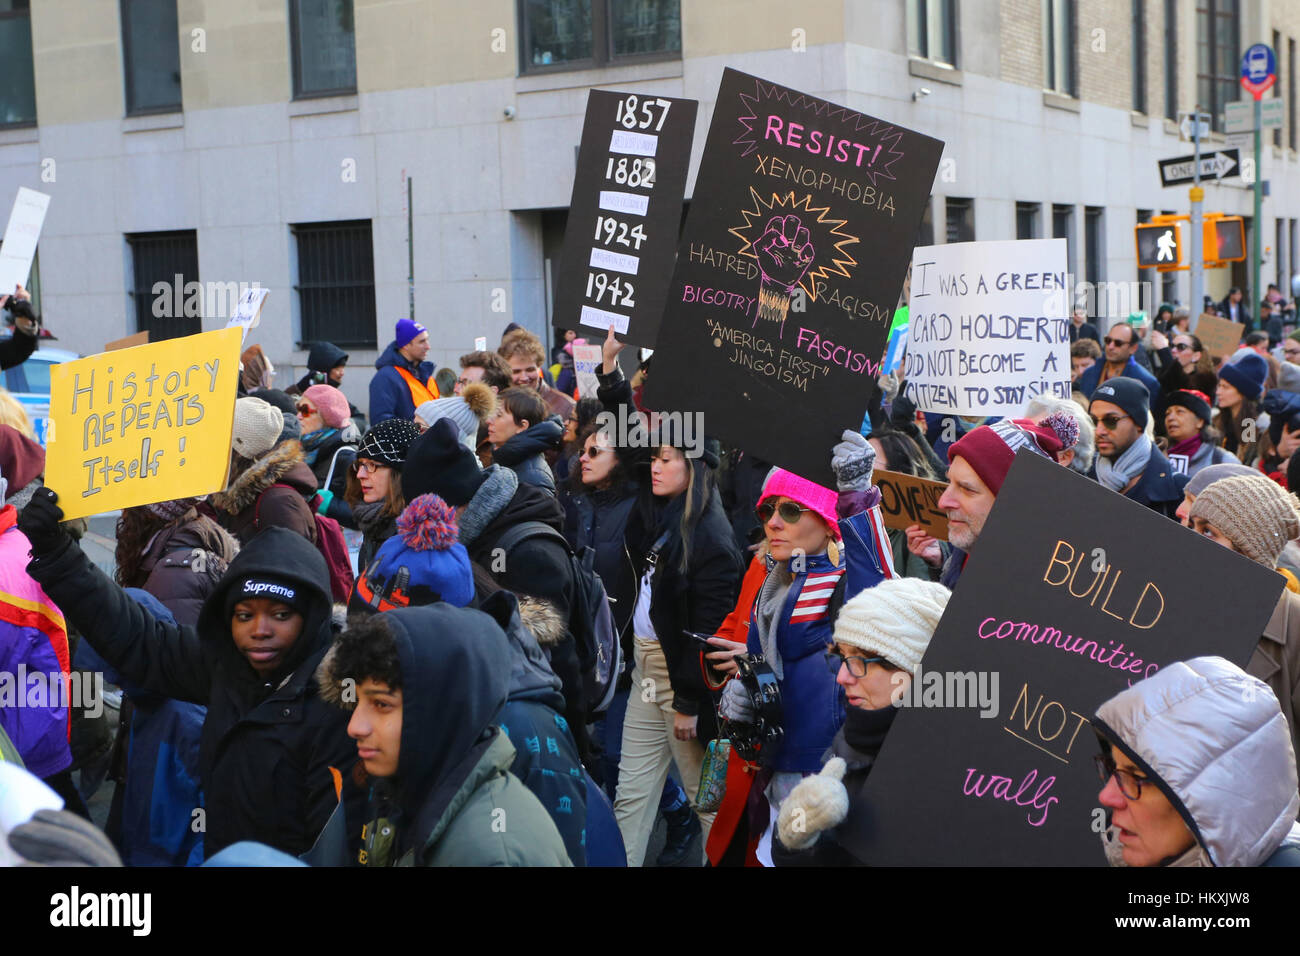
1116, 476
312, 441
1188, 446
370, 516
863, 734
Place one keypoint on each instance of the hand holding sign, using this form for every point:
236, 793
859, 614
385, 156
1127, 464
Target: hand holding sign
609, 350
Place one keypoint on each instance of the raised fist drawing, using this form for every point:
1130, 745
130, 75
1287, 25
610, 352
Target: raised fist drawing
785, 252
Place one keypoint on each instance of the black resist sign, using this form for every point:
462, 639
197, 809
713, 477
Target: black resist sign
1071, 594
799, 235
624, 214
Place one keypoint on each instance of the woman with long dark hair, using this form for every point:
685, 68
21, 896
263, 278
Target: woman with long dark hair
688, 569
1186, 365
1237, 394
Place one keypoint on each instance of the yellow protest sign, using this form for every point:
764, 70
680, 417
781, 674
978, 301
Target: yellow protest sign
143, 424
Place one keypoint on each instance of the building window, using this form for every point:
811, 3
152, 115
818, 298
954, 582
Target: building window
932, 30
961, 219
1063, 228
925, 234
162, 266
324, 47
1058, 46
17, 80
573, 34
1171, 59
1217, 56
151, 54
1290, 94
1094, 243
1139, 57
1277, 89
1027, 215
336, 282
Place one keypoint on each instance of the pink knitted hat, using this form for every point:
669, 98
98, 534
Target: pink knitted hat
809, 494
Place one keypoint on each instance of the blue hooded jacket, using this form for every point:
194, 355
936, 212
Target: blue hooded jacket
390, 396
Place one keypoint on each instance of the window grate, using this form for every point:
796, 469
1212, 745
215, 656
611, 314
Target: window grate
336, 282
162, 265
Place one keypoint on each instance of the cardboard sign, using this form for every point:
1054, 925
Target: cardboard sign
789, 270
248, 310
1071, 594
587, 360
130, 342
906, 500
624, 215
21, 236
988, 326
143, 424
1219, 336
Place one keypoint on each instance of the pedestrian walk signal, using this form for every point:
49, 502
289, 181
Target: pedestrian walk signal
1159, 246
1225, 240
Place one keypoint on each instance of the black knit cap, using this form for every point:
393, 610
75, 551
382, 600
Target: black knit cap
283, 590
438, 462
388, 443
1129, 394
1193, 401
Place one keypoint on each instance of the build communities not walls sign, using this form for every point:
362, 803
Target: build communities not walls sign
988, 328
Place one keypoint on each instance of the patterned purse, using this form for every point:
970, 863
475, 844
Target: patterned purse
713, 776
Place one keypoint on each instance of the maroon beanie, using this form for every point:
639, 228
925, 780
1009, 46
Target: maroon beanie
990, 449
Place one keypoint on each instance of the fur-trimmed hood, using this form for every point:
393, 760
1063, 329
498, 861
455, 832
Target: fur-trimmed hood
543, 619
284, 464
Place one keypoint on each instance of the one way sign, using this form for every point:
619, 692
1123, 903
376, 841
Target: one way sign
1177, 171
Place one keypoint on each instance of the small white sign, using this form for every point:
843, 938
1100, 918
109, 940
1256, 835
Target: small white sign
586, 362
248, 311
480, 344
21, 236
1239, 117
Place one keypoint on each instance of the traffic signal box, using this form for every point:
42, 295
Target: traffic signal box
1223, 240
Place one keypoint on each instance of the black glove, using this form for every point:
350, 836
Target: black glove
61, 838
39, 521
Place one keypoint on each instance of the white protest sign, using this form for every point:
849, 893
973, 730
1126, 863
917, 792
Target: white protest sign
21, 236
988, 328
480, 344
586, 362
248, 311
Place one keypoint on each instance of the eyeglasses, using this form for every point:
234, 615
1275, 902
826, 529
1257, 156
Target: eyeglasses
1130, 784
1110, 341
305, 410
1180, 347
1110, 421
857, 665
369, 467
790, 511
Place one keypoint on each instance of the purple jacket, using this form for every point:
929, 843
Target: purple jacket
34, 662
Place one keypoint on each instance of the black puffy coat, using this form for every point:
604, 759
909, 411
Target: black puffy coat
272, 754
184, 564
598, 520
524, 453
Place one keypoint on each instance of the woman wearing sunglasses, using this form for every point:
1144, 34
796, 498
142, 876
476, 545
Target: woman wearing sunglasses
1197, 769
374, 488
880, 637
688, 569
1184, 364
323, 415
822, 548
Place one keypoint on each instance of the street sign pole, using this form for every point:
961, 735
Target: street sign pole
1196, 194
1256, 258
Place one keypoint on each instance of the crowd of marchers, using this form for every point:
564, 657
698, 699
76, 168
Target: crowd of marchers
549, 639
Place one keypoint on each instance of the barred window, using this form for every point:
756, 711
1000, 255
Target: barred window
336, 282
165, 294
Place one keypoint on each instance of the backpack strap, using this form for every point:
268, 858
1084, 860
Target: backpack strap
519, 533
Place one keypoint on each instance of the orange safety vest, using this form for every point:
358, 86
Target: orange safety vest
420, 393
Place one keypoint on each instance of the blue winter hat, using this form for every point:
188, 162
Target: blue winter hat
422, 564
1246, 374
407, 329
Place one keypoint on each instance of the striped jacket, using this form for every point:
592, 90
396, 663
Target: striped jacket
34, 662
812, 703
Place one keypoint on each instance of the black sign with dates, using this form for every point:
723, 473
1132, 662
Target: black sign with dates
789, 270
624, 215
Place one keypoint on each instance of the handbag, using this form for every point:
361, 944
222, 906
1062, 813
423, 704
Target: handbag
713, 776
